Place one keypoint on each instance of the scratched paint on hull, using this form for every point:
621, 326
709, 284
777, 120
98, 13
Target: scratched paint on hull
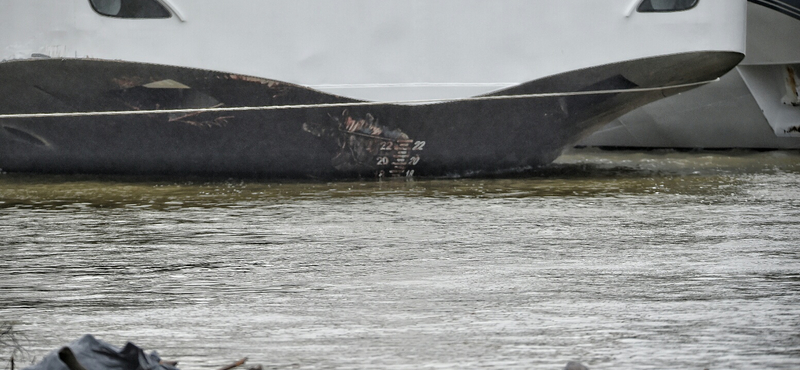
444, 139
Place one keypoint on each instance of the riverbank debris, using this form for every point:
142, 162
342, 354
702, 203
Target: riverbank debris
89, 353
240, 363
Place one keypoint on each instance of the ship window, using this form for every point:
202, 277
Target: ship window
130, 8
649, 6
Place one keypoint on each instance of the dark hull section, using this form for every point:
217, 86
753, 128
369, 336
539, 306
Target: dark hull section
455, 138
787, 7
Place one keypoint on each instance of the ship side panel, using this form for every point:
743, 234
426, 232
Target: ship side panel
387, 50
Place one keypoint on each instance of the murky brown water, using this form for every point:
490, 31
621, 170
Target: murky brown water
620, 260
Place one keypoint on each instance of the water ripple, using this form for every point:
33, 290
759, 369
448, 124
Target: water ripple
635, 260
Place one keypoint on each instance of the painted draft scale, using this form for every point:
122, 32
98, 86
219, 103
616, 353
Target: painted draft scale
339, 88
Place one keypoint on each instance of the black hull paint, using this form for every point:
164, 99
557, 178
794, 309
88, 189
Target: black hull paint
787, 7
455, 138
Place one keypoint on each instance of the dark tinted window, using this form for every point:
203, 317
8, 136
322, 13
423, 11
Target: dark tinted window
130, 8
666, 5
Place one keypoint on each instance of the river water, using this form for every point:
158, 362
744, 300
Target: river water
619, 260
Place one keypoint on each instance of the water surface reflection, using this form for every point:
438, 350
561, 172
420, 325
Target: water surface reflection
616, 259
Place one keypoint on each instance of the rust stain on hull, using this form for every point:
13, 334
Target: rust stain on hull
792, 93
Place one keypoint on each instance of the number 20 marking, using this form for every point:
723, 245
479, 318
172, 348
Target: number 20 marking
382, 161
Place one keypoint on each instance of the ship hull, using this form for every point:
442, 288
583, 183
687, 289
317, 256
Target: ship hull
292, 59
458, 138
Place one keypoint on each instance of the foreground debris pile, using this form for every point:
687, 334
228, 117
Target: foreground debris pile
88, 353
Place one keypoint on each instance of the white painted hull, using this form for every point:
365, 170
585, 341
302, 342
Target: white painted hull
384, 50
750, 108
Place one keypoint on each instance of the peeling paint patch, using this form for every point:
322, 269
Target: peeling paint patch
169, 94
128, 82
269, 83
364, 145
166, 84
194, 119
